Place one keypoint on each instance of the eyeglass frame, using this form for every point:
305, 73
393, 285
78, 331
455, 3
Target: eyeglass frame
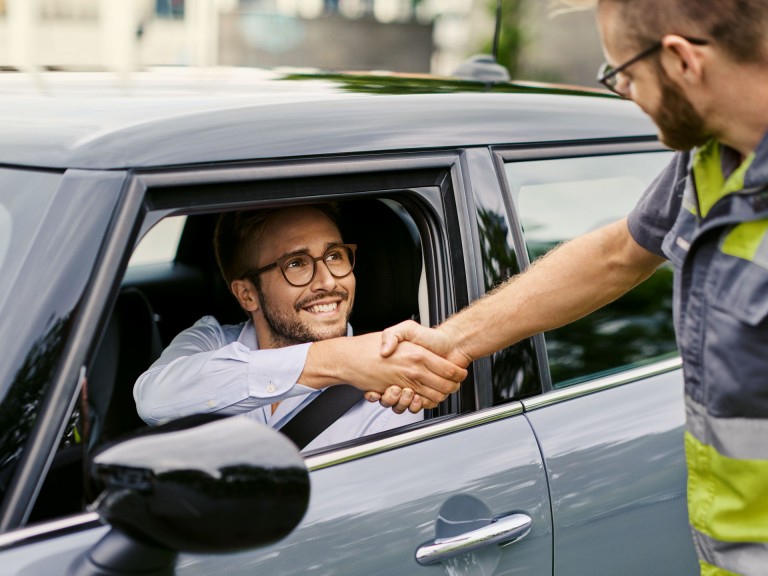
606, 74
280, 263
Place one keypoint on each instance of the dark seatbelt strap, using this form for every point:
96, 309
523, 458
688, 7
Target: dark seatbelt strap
323, 411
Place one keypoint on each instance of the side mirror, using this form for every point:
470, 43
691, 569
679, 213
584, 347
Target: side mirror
221, 486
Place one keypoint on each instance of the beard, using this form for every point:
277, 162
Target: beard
680, 126
288, 330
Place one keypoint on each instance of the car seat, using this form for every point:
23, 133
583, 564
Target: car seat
131, 343
388, 263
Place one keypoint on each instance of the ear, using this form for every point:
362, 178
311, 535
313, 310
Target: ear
683, 62
246, 295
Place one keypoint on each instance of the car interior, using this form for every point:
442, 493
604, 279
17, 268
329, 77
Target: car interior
157, 301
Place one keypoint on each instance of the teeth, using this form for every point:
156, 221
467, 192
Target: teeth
324, 307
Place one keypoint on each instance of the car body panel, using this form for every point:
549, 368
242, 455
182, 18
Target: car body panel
617, 477
148, 126
370, 514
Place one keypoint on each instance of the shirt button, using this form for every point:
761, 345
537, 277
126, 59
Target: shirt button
271, 388
210, 403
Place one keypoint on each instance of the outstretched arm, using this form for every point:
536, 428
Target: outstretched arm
568, 283
428, 376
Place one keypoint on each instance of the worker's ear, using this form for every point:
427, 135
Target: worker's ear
246, 295
683, 61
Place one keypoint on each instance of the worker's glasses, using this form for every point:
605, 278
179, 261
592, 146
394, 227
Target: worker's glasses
299, 268
609, 77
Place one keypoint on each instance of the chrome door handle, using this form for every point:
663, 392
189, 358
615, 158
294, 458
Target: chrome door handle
502, 531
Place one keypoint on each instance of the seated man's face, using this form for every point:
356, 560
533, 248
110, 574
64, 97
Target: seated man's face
288, 314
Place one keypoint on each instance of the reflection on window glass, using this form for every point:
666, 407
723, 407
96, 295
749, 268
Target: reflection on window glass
560, 199
160, 244
514, 369
25, 196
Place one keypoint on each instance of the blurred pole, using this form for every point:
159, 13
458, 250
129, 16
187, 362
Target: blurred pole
22, 22
118, 23
202, 23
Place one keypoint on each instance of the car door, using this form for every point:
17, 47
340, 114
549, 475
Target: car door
382, 501
379, 502
611, 429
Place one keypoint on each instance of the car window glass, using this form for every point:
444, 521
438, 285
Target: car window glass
20, 218
560, 199
514, 369
160, 244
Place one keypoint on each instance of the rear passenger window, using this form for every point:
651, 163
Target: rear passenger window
559, 199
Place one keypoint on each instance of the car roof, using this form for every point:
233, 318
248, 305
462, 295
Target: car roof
177, 116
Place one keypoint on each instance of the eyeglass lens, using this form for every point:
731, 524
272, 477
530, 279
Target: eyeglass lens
299, 269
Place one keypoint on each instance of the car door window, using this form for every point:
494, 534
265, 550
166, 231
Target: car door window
559, 199
160, 244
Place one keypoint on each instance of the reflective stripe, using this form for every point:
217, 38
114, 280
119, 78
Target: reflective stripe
742, 438
726, 558
709, 570
749, 242
727, 498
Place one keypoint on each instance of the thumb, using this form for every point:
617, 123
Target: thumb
393, 335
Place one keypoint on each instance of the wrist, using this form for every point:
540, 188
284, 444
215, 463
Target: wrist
321, 368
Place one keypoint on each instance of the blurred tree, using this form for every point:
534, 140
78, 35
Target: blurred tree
511, 34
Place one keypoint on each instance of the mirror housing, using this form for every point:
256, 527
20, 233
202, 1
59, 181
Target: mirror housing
223, 485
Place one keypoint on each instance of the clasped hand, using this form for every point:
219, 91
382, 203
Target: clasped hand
411, 338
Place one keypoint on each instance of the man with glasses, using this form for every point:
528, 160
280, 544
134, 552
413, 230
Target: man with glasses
292, 275
699, 69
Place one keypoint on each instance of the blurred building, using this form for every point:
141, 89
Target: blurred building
398, 35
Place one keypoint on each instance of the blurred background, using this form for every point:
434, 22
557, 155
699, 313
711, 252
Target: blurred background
539, 41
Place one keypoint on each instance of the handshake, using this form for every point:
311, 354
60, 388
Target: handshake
428, 366
405, 367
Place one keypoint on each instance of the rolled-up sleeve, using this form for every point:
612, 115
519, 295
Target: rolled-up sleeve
206, 370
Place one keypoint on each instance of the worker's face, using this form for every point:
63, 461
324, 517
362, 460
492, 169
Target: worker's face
289, 314
648, 85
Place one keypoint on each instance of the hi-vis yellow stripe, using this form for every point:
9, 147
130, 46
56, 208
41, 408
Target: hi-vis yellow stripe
744, 240
709, 570
727, 497
711, 185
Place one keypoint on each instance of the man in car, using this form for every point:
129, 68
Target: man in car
292, 275
699, 69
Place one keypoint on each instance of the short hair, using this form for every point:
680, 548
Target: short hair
237, 236
739, 26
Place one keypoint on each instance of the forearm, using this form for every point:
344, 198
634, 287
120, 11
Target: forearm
565, 285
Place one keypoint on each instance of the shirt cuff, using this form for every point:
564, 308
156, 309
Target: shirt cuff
274, 373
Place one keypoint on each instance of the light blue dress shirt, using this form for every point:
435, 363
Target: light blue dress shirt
219, 368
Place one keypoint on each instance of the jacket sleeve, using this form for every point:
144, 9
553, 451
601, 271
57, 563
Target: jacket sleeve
205, 369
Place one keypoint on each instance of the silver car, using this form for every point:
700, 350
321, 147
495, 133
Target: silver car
561, 455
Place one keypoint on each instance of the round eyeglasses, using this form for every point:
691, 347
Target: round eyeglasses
299, 268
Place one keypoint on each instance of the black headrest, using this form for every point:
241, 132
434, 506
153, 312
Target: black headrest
388, 263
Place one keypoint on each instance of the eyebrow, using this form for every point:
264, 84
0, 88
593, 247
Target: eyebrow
305, 249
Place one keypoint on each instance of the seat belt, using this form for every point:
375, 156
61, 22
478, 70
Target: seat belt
323, 411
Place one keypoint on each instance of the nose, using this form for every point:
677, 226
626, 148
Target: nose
323, 279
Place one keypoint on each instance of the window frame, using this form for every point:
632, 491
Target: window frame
424, 183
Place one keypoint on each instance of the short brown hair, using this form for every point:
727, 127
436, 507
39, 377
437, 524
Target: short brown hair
237, 235
739, 26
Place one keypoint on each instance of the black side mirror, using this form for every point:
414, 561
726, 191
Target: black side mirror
221, 486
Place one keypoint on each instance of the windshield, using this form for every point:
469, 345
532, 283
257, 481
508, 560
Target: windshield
25, 197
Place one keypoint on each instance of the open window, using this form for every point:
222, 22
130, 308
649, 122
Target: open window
404, 270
